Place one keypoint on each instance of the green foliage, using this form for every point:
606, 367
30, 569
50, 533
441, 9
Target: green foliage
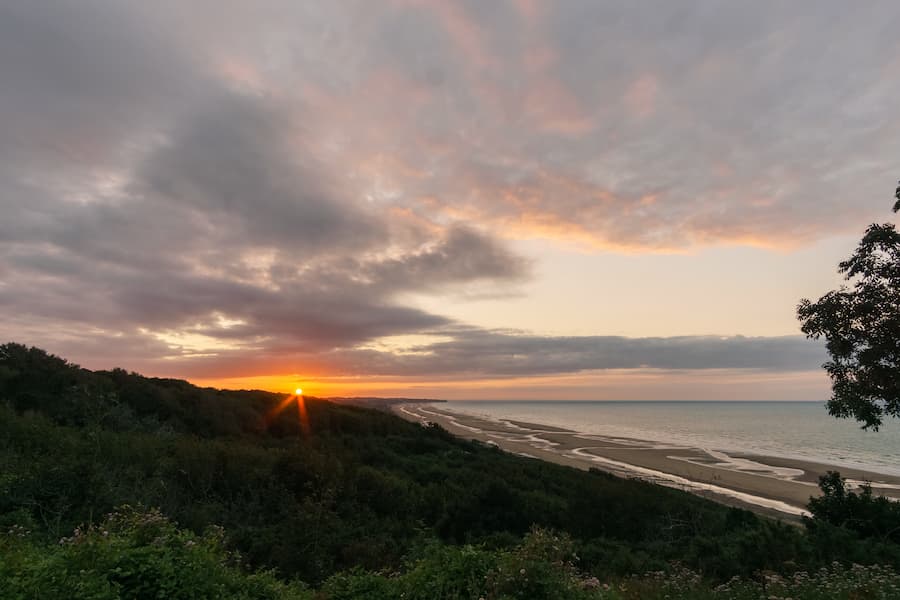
834, 582
358, 584
861, 327
897, 196
132, 554
365, 506
543, 567
867, 515
455, 572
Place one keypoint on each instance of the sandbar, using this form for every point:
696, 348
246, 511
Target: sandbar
774, 486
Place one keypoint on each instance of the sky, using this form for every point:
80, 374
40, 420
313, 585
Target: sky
516, 199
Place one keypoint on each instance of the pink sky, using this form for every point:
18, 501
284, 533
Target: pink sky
507, 199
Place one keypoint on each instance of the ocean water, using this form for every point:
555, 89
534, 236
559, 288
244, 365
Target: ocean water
802, 430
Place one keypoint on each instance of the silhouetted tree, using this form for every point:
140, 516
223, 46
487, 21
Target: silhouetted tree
861, 326
897, 195
866, 514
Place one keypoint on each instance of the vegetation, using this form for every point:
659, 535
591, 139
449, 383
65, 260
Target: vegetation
897, 196
234, 499
870, 516
862, 329
132, 553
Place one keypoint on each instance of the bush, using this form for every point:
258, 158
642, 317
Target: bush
132, 554
867, 515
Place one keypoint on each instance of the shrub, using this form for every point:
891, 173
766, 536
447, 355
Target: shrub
133, 553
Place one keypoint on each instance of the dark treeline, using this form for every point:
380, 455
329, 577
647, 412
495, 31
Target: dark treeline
364, 492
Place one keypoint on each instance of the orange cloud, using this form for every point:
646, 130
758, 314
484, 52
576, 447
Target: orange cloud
636, 384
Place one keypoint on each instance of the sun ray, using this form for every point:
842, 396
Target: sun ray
302, 414
277, 410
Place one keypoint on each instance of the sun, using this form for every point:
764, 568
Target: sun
298, 392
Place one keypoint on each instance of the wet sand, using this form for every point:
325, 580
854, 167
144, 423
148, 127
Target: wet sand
774, 486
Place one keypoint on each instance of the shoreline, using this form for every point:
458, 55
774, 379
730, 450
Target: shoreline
773, 486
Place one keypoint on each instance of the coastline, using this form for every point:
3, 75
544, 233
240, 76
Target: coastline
774, 486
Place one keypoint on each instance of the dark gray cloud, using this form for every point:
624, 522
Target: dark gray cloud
83, 81
467, 353
223, 227
185, 179
232, 166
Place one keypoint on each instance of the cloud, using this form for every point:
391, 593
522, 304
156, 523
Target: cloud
485, 353
456, 353
218, 222
223, 231
762, 125
79, 82
232, 166
267, 186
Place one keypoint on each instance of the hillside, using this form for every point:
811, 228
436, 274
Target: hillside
359, 503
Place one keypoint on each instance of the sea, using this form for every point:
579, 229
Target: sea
800, 430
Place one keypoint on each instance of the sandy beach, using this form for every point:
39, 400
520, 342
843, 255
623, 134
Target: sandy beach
774, 486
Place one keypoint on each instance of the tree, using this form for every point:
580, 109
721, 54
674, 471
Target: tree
897, 196
868, 515
861, 326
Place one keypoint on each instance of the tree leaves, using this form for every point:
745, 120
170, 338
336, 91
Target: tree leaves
861, 326
897, 195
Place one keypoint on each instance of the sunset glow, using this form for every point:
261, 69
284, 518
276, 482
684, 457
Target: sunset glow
487, 200
420, 297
